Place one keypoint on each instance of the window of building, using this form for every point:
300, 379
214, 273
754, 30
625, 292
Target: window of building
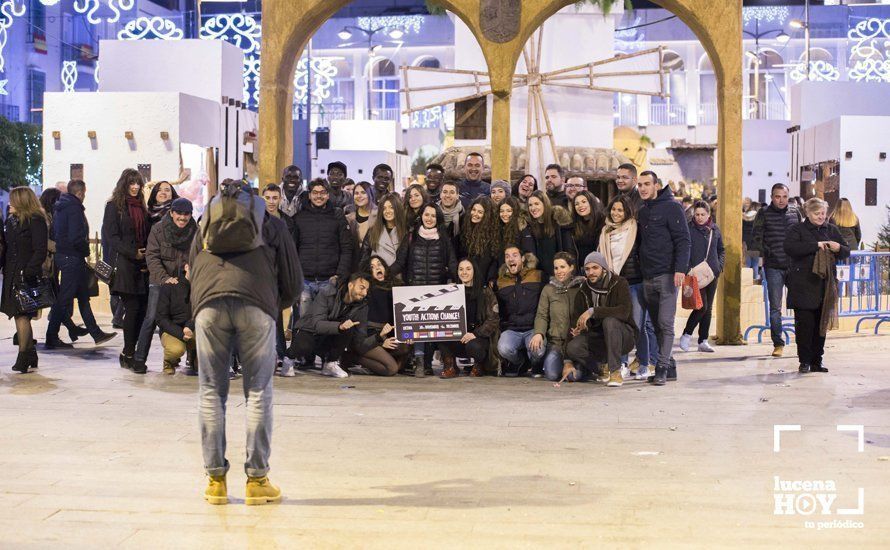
36, 20
384, 93
36, 87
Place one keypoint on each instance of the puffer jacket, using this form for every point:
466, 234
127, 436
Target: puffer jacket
631, 268
518, 295
323, 241
770, 229
663, 234
426, 261
175, 309
555, 310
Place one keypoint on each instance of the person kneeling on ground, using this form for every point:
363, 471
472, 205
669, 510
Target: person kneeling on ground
482, 325
554, 317
519, 289
604, 330
174, 316
336, 320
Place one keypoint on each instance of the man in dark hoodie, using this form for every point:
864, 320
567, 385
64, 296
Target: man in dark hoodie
664, 256
71, 233
336, 180
604, 329
472, 185
335, 321
236, 296
770, 228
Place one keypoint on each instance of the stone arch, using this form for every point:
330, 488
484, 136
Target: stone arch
289, 24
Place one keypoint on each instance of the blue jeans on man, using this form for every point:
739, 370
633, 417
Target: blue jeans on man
775, 290
225, 326
647, 344
513, 347
660, 300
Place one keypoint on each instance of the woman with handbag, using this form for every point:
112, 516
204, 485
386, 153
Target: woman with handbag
126, 223
706, 259
25, 236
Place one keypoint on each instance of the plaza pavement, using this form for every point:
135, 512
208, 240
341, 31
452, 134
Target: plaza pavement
95, 456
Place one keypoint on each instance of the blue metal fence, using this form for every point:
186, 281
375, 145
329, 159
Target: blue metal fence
863, 290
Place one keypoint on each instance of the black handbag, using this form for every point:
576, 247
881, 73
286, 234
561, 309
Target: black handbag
104, 272
32, 296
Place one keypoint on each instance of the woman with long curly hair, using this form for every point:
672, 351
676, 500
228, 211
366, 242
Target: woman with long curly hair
524, 188
512, 229
126, 223
478, 239
551, 228
387, 232
24, 251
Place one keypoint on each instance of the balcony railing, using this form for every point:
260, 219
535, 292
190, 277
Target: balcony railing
10, 112
766, 111
707, 114
667, 114
386, 114
626, 114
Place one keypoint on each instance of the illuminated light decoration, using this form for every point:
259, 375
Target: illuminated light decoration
150, 28
765, 14
49, 2
434, 117
96, 73
69, 75
245, 32
820, 71
8, 10
90, 7
869, 64
323, 73
405, 23
3, 87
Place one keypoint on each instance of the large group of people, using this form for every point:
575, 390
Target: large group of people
557, 285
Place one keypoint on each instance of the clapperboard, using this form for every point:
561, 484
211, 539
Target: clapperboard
430, 313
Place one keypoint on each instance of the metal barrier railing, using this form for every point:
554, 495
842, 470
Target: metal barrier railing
863, 291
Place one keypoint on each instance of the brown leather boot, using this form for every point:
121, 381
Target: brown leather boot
476, 371
450, 370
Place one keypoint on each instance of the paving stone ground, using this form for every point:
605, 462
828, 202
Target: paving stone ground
94, 456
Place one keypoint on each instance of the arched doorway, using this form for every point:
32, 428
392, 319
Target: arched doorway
289, 24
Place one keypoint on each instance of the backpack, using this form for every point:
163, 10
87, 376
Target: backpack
232, 221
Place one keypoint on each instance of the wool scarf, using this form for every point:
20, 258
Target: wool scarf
136, 210
452, 216
628, 229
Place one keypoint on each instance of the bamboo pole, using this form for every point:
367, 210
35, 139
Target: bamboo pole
599, 75
534, 91
446, 102
446, 86
621, 57
603, 89
549, 128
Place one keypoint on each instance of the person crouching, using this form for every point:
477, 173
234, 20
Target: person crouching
174, 317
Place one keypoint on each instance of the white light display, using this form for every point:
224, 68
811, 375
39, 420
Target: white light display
765, 14
96, 73
243, 31
434, 117
69, 75
867, 60
91, 7
820, 71
405, 23
150, 28
8, 10
3, 84
323, 73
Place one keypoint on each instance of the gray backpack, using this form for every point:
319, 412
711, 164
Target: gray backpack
233, 221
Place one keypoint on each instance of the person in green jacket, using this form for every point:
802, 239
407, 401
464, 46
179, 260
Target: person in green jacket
552, 321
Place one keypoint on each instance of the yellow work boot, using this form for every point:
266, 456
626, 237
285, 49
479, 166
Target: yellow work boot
778, 351
615, 379
261, 491
216, 492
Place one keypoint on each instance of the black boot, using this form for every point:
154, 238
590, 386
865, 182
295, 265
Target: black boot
56, 343
660, 376
126, 361
21, 363
672, 371
419, 371
191, 363
803, 368
77, 332
32, 358
817, 367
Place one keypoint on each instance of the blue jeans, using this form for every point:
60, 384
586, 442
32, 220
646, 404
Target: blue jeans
660, 299
147, 332
225, 326
775, 289
311, 288
647, 344
513, 347
553, 361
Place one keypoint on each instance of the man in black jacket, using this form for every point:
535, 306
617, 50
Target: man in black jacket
626, 182
236, 297
174, 317
71, 233
323, 242
518, 291
554, 181
770, 230
335, 321
336, 180
664, 257
472, 186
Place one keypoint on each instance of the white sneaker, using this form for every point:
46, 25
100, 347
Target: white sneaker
642, 373
705, 346
684, 342
287, 368
333, 369
625, 372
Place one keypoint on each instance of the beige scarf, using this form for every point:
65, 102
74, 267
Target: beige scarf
605, 247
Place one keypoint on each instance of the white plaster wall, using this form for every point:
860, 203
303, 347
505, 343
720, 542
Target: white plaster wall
813, 103
209, 69
866, 137
766, 155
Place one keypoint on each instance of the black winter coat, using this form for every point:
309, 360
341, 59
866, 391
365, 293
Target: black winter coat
329, 309
175, 308
70, 229
770, 229
518, 295
323, 241
426, 262
806, 289
23, 256
131, 276
699, 238
663, 235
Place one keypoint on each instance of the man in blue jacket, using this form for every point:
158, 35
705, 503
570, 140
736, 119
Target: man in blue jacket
664, 257
472, 185
71, 233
